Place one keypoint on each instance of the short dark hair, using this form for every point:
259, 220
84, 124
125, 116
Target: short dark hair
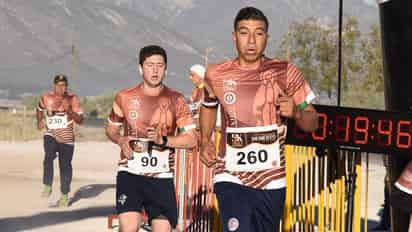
252, 13
60, 78
151, 50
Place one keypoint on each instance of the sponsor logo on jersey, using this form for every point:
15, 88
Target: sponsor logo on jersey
229, 85
133, 103
229, 98
133, 114
237, 140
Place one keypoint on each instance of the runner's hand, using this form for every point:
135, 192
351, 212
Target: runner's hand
155, 134
287, 106
122, 162
208, 153
40, 125
125, 146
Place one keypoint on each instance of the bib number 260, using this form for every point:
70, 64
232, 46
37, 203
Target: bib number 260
252, 157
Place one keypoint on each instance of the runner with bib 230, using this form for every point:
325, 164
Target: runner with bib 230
60, 110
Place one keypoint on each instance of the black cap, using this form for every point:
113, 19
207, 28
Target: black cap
60, 78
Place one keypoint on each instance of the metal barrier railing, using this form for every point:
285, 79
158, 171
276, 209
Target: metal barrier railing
194, 189
316, 194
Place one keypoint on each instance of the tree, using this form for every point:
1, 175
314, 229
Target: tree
312, 45
98, 106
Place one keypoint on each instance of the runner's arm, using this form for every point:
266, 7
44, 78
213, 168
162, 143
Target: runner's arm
185, 139
39, 117
113, 133
77, 117
207, 122
208, 111
39, 114
115, 122
75, 111
207, 126
302, 111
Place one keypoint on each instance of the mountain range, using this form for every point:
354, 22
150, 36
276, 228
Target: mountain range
95, 42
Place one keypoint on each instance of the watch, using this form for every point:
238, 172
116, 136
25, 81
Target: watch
164, 138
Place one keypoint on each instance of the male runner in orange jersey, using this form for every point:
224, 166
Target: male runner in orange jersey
60, 109
196, 75
256, 95
150, 114
401, 195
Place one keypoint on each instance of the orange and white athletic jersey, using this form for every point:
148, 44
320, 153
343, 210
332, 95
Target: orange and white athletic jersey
53, 104
253, 133
135, 111
195, 102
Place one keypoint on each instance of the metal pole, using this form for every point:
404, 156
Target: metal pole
340, 50
24, 123
351, 192
73, 69
366, 192
181, 220
352, 176
207, 51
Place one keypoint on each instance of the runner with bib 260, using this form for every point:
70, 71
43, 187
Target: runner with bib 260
256, 95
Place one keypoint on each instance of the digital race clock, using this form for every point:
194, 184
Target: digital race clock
357, 129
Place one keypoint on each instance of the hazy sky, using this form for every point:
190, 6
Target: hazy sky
370, 2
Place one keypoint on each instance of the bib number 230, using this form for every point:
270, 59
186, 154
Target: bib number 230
56, 122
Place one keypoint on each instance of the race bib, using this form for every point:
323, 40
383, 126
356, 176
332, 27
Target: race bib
56, 122
157, 162
252, 148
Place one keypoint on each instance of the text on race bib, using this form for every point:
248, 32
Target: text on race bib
157, 162
56, 122
252, 148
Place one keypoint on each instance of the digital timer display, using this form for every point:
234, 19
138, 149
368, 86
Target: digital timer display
357, 129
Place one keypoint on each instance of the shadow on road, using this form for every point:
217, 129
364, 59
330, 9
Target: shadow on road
53, 218
89, 191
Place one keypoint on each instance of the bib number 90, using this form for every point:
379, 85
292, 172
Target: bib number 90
252, 157
149, 161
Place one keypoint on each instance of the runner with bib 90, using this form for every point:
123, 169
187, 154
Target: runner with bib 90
150, 114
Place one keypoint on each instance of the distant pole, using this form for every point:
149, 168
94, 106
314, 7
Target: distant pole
207, 51
24, 123
73, 69
288, 49
340, 50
